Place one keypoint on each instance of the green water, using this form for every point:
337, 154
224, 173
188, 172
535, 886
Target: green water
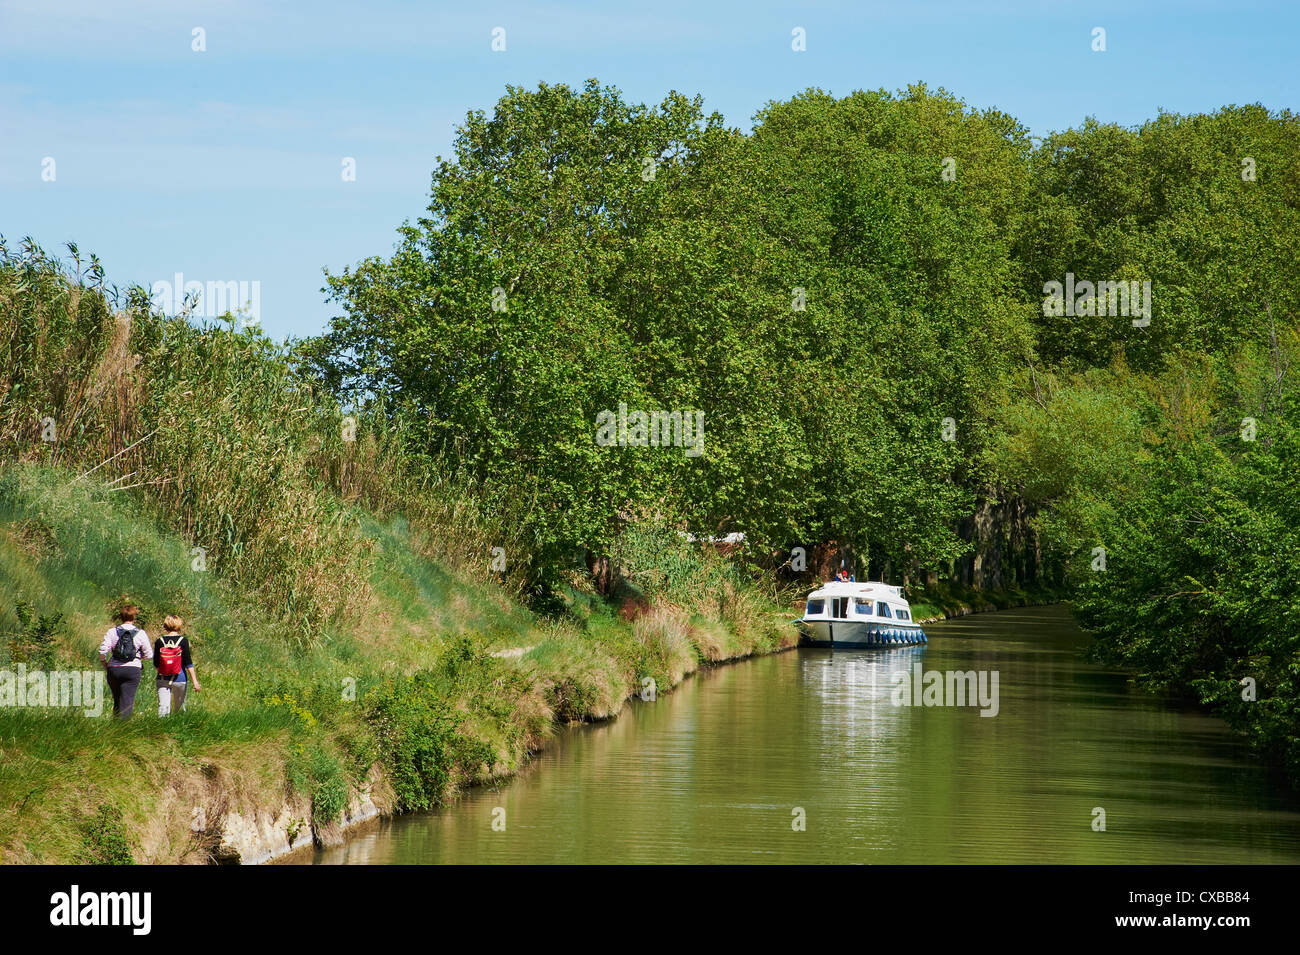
715, 771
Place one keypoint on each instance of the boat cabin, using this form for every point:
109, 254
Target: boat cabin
851, 600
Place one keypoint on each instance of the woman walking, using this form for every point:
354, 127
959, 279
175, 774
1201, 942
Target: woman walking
171, 657
122, 651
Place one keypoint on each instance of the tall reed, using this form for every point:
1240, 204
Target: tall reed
224, 434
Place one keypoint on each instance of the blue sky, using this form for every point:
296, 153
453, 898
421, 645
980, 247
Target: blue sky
225, 165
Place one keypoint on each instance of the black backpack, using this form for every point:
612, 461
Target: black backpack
124, 649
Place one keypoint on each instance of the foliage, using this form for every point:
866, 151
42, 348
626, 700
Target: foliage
104, 838
420, 738
35, 644
313, 770
676, 293
1186, 481
218, 429
923, 302
1175, 202
1200, 592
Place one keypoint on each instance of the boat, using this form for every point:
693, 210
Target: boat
847, 613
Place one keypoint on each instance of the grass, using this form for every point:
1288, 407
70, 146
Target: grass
429, 702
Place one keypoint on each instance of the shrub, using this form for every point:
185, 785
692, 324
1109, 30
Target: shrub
419, 734
104, 838
314, 771
34, 643
571, 699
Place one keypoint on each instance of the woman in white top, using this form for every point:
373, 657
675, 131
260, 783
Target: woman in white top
123, 652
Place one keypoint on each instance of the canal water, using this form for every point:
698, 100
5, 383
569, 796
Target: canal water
806, 757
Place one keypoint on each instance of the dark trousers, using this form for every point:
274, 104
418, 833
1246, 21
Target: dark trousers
123, 682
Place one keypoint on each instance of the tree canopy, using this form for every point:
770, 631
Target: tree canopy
841, 308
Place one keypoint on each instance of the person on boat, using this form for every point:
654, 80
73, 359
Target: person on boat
172, 660
843, 575
122, 652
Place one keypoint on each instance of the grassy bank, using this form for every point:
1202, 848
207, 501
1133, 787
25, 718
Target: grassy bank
442, 680
942, 600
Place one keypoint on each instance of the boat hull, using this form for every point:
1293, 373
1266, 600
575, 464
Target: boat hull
852, 634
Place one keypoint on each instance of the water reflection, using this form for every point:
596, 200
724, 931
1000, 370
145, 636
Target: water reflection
718, 770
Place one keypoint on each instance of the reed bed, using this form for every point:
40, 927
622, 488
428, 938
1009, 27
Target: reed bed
223, 435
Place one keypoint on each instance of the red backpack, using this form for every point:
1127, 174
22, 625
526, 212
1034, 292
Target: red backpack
169, 658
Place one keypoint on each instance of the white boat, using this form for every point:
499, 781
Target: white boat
846, 613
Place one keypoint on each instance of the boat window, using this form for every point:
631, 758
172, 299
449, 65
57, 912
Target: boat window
816, 606
902, 615
864, 607
882, 610
841, 606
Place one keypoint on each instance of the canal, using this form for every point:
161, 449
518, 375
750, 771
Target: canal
806, 757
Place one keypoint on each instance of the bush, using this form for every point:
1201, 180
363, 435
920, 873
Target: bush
571, 698
317, 773
104, 839
34, 643
419, 734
